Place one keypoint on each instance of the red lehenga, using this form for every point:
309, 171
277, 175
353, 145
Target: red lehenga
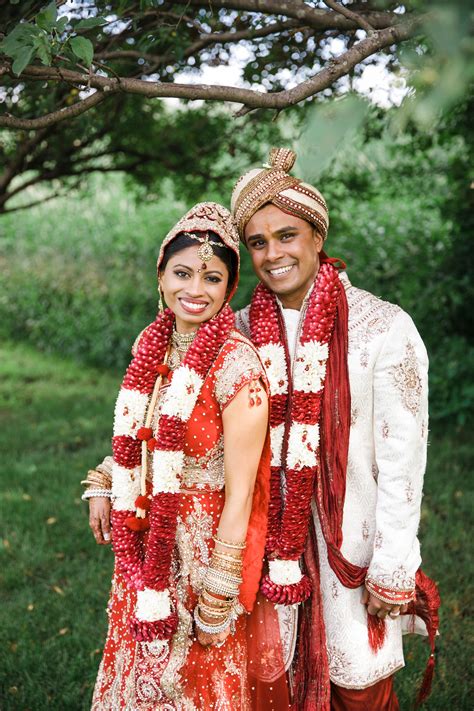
180, 673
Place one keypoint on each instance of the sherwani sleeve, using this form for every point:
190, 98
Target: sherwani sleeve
242, 321
400, 441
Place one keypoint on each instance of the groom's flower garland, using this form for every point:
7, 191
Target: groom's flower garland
294, 427
148, 571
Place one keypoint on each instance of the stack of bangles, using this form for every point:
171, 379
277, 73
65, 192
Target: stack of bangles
98, 483
218, 601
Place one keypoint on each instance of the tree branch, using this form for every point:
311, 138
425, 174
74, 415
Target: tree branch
58, 173
354, 16
33, 203
315, 18
17, 163
204, 40
250, 98
55, 117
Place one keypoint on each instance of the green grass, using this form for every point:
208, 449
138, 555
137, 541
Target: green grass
55, 422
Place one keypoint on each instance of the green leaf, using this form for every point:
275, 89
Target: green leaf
83, 49
90, 22
43, 49
61, 24
21, 35
46, 19
22, 59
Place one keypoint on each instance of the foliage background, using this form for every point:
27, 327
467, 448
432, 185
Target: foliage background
78, 275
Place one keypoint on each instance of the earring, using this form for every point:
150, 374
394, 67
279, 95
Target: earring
161, 308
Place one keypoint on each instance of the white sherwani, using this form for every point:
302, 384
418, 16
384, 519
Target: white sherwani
388, 368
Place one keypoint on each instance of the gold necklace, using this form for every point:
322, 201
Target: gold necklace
180, 343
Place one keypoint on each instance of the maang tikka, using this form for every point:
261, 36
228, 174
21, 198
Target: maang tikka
205, 252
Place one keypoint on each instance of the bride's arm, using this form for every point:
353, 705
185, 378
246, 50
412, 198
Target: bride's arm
245, 429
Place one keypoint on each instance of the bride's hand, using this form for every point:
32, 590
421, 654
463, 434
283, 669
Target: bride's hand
99, 519
212, 640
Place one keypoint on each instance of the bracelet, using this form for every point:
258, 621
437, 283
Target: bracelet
225, 566
218, 615
211, 629
229, 588
230, 544
97, 479
90, 493
222, 576
216, 602
392, 597
221, 589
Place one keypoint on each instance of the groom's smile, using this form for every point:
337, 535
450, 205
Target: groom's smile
285, 253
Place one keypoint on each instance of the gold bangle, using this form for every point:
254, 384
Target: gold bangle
216, 601
230, 544
97, 479
227, 556
209, 612
226, 567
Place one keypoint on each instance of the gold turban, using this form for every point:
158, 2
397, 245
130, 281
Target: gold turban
273, 184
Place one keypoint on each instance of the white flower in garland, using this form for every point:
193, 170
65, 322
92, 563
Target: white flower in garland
130, 410
167, 466
182, 393
302, 445
276, 443
153, 605
125, 487
310, 366
285, 572
273, 358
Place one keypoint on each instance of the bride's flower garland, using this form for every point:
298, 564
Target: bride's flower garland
294, 427
147, 568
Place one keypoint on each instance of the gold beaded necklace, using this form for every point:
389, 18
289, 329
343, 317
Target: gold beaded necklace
180, 343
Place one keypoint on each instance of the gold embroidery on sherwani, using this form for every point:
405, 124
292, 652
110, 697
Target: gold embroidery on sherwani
400, 579
341, 672
406, 376
369, 317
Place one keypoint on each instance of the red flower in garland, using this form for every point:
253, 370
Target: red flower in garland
147, 568
294, 423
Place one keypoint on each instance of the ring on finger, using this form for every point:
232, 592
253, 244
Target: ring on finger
219, 644
394, 614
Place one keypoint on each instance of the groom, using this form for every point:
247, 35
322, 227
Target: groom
349, 424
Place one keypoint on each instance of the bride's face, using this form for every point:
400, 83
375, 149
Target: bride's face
193, 294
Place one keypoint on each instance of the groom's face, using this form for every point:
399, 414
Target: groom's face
285, 253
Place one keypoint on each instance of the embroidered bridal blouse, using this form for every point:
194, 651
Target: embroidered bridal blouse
387, 455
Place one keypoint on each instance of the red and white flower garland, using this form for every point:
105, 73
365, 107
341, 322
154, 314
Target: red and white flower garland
147, 568
294, 426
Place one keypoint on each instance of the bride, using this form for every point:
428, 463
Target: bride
186, 492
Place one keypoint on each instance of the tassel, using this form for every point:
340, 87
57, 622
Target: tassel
137, 524
376, 629
425, 688
144, 433
143, 502
426, 605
